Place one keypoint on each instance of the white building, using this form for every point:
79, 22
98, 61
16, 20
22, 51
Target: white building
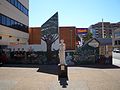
14, 22
116, 38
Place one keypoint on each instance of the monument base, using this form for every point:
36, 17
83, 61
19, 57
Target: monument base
62, 71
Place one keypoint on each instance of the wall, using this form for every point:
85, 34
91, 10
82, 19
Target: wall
28, 47
6, 32
68, 34
35, 35
102, 50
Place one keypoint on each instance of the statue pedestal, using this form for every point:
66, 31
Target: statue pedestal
62, 71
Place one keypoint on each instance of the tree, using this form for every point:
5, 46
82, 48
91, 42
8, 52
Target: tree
88, 36
49, 39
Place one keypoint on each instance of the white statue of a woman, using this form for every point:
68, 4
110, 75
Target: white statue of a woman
62, 52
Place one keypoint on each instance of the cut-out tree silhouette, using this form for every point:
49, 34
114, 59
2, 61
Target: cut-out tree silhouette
50, 33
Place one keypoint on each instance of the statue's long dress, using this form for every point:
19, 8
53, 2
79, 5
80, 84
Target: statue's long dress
62, 53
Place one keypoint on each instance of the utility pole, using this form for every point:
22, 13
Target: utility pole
103, 29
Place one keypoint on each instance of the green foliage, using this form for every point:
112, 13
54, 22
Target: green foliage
88, 36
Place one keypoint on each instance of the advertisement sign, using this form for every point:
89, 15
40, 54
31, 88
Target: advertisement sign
82, 31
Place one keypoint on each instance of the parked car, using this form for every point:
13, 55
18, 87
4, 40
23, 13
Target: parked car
116, 50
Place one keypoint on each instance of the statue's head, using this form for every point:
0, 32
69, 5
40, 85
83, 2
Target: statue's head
62, 41
68, 54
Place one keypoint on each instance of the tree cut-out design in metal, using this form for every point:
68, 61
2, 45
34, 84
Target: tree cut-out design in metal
50, 33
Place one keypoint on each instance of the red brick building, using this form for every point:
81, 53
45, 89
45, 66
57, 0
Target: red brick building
35, 35
68, 33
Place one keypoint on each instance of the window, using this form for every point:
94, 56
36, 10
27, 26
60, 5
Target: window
13, 2
115, 42
23, 9
12, 23
0, 19
19, 6
15, 25
8, 22
118, 42
26, 29
3, 20
21, 27
26, 11
16, 3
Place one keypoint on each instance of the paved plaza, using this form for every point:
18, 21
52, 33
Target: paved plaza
45, 78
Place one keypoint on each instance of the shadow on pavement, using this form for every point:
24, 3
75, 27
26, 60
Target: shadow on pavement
98, 66
49, 69
63, 82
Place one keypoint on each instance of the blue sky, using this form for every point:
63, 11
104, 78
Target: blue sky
79, 13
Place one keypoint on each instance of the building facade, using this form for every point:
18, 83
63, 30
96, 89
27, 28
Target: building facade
14, 22
116, 38
107, 27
